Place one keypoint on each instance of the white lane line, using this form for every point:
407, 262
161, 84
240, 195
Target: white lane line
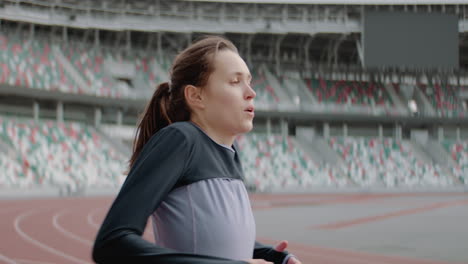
39, 244
6, 260
55, 222
90, 218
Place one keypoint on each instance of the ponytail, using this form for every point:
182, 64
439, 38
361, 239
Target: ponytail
156, 116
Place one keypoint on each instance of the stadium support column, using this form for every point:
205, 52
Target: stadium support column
336, 47
159, 45
128, 39
380, 132
278, 54
36, 111
345, 130
284, 128
96, 38
268, 126
59, 111
97, 116
458, 134
398, 132
249, 49
31, 31
306, 53
326, 130
440, 133
65, 34
119, 117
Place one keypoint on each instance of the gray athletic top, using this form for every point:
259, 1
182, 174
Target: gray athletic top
209, 217
193, 188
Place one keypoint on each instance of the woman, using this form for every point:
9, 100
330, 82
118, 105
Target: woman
185, 170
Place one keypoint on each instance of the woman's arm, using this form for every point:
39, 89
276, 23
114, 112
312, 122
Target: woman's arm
159, 167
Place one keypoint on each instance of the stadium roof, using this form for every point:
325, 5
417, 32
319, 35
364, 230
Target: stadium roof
347, 2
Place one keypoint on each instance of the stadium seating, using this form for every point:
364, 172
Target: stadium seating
386, 162
31, 63
69, 155
274, 162
349, 92
14, 174
458, 151
89, 62
444, 100
265, 93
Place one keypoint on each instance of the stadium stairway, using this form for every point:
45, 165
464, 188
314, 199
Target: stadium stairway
321, 153
276, 85
440, 156
421, 97
418, 151
396, 98
124, 149
274, 162
266, 96
297, 89
73, 73
374, 162
458, 151
161, 73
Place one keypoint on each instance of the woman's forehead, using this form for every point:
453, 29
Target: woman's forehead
230, 63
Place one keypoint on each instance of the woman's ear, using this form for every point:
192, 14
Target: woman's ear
193, 96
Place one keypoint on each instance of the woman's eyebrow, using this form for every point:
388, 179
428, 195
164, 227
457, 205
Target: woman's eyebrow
249, 76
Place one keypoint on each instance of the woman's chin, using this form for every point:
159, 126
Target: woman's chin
247, 127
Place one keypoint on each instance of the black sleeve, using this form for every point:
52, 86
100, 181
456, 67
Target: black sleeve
157, 169
267, 253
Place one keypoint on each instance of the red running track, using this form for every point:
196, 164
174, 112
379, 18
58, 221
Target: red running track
57, 231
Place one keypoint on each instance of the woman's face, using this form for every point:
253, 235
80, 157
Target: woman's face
227, 96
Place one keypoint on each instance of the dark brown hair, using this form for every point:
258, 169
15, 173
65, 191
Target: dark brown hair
192, 66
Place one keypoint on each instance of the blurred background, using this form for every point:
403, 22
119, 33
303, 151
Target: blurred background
359, 152
350, 94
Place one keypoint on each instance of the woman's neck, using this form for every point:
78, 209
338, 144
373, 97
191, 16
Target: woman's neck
216, 135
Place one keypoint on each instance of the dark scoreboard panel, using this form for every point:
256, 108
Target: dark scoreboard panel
410, 40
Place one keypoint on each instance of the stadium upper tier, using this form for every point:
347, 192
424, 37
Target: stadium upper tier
32, 64
444, 98
81, 69
66, 155
349, 92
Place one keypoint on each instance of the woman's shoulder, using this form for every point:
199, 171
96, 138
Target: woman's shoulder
185, 128
178, 131
182, 126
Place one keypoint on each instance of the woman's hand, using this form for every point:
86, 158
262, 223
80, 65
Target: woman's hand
281, 247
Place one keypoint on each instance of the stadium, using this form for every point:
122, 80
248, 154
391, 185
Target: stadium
360, 133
